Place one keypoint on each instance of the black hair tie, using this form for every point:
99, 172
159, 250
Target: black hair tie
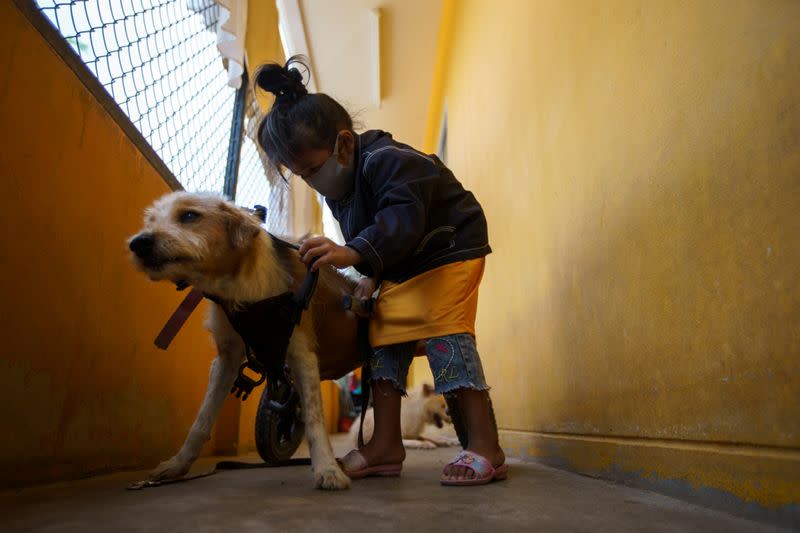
296, 75
296, 89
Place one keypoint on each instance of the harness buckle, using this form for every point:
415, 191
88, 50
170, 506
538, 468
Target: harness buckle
245, 384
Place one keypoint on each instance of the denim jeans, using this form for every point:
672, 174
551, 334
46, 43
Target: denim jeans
454, 362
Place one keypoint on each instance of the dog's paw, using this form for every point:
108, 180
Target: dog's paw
169, 469
445, 442
331, 478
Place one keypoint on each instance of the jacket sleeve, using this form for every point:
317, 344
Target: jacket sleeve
403, 182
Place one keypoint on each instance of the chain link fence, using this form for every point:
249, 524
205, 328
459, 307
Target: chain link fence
251, 187
158, 60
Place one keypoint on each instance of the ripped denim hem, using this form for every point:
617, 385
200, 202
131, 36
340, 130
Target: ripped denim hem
393, 381
447, 388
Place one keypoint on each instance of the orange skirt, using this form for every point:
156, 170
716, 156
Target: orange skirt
439, 302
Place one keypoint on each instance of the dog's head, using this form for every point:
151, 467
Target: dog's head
190, 237
435, 407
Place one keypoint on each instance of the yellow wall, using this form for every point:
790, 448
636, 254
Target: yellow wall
337, 37
639, 164
82, 388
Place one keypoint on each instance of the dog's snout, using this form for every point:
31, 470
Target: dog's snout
142, 245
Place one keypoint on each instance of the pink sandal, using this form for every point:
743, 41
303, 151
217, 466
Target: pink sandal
484, 471
360, 468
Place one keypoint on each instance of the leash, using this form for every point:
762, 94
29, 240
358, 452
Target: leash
220, 466
366, 377
178, 318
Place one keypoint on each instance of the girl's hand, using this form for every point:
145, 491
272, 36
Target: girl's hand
323, 251
364, 289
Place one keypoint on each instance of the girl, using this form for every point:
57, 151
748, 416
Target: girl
412, 228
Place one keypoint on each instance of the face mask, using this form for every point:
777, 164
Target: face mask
333, 180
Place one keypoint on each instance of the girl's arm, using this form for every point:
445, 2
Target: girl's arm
319, 251
404, 182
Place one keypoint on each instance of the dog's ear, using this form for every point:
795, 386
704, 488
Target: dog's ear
427, 390
242, 227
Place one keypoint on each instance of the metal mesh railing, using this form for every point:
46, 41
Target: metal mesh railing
251, 187
159, 61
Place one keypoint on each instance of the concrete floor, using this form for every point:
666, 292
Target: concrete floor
533, 498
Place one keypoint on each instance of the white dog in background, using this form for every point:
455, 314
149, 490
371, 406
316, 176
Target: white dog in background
420, 409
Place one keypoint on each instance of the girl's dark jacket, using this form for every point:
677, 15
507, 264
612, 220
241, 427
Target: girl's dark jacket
407, 213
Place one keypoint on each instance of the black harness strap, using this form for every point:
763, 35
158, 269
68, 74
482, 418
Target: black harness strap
222, 465
306, 290
266, 326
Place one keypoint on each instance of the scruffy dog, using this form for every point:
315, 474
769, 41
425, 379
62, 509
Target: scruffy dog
420, 408
222, 250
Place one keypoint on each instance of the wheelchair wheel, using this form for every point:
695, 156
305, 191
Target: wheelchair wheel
279, 424
457, 416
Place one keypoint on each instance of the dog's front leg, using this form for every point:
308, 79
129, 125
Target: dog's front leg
224, 370
303, 362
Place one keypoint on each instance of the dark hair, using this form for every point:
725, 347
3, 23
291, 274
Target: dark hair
298, 120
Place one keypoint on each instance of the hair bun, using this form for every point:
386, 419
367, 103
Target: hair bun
285, 82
